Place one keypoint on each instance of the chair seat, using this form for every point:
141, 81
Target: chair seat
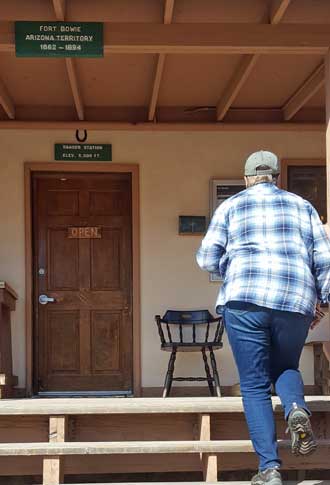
190, 347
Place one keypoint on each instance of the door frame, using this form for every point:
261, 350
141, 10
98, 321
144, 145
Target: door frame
83, 167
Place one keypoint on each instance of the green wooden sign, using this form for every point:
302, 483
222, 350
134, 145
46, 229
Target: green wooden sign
83, 152
59, 39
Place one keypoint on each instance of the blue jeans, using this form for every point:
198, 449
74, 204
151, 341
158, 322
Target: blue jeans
267, 345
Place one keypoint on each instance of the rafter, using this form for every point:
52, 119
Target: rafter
168, 16
306, 91
73, 78
235, 85
6, 102
168, 11
278, 10
244, 70
156, 86
59, 7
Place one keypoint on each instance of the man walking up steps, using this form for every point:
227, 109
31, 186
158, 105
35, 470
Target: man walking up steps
273, 255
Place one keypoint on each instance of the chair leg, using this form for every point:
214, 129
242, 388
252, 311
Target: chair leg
215, 372
169, 374
208, 373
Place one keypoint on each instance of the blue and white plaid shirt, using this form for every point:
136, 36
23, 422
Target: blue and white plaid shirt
270, 248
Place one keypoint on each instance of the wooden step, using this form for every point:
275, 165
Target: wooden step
291, 482
78, 406
134, 447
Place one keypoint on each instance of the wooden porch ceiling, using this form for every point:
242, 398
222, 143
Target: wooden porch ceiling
204, 64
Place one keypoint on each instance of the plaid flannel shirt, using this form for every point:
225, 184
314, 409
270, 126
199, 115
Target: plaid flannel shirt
270, 248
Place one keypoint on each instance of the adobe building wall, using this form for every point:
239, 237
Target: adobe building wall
175, 170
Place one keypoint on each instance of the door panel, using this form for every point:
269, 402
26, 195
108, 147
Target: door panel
83, 341
105, 332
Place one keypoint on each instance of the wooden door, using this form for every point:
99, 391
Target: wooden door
82, 229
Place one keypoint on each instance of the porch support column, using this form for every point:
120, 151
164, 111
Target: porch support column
326, 345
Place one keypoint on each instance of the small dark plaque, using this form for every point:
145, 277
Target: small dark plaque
75, 152
192, 225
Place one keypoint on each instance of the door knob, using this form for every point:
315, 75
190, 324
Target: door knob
44, 299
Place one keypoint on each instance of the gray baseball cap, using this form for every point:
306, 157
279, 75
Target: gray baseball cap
262, 163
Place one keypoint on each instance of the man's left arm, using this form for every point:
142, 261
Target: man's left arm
214, 243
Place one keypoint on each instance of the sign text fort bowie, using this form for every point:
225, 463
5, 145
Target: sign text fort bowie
59, 39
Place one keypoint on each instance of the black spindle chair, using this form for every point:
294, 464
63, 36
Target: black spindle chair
191, 331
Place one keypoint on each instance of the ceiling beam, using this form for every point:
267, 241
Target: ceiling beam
6, 102
306, 91
165, 114
168, 16
59, 7
279, 7
210, 38
150, 127
244, 70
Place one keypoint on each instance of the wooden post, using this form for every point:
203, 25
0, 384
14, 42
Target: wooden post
209, 461
326, 346
8, 299
53, 473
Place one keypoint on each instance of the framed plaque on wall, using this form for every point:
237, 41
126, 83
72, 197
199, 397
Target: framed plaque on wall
221, 190
307, 178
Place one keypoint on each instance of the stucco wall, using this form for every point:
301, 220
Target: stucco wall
175, 173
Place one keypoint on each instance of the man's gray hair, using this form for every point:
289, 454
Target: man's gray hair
258, 179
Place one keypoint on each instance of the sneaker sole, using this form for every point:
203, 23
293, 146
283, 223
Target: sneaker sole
303, 442
273, 481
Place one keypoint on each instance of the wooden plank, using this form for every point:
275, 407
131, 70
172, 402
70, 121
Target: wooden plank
73, 79
306, 91
136, 447
53, 473
279, 7
168, 126
6, 102
205, 38
292, 482
209, 461
56, 407
168, 11
165, 114
168, 15
156, 86
59, 7
244, 70
235, 85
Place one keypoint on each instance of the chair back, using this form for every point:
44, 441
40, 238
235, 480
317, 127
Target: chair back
189, 327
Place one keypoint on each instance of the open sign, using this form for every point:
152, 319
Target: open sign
84, 233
